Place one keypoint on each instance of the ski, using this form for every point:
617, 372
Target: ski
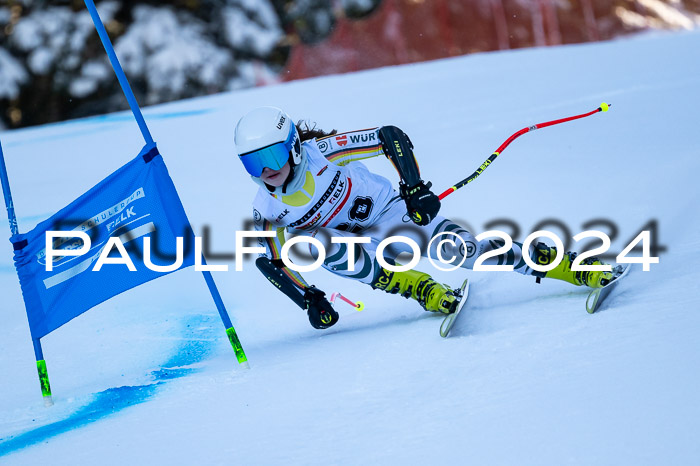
597, 296
449, 321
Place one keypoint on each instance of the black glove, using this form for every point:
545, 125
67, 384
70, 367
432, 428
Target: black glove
320, 311
422, 204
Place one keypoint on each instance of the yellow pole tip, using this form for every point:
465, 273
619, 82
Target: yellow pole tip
604, 107
360, 305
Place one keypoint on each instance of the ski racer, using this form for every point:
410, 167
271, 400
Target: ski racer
311, 180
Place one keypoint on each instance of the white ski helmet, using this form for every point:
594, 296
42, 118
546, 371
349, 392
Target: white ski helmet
267, 137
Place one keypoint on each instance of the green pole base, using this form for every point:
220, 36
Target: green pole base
237, 347
44, 381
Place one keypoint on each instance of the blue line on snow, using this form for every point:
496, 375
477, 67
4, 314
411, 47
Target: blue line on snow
82, 127
153, 116
197, 346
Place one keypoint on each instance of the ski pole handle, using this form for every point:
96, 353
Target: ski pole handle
359, 305
603, 108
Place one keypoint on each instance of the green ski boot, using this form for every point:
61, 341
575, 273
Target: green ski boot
433, 296
544, 255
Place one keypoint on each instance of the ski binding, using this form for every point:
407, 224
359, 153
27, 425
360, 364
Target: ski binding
597, 296
450, 319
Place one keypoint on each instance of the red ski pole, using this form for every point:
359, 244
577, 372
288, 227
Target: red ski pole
603, 108
358, 305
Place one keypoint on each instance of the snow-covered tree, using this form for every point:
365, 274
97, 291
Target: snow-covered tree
358, 9
12, 76
52, 65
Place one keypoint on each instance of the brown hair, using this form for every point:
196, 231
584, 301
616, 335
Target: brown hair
307, 132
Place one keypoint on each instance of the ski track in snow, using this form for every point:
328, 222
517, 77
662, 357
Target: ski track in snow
196, 347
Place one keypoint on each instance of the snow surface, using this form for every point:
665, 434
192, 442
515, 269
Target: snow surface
528, 376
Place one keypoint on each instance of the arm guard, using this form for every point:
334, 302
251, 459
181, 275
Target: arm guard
278, 278
313, 301
399, 149
421, 203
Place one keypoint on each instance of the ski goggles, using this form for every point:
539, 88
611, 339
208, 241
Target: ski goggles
273, 156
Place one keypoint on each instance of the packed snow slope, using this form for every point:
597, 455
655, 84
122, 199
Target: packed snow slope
528, 376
